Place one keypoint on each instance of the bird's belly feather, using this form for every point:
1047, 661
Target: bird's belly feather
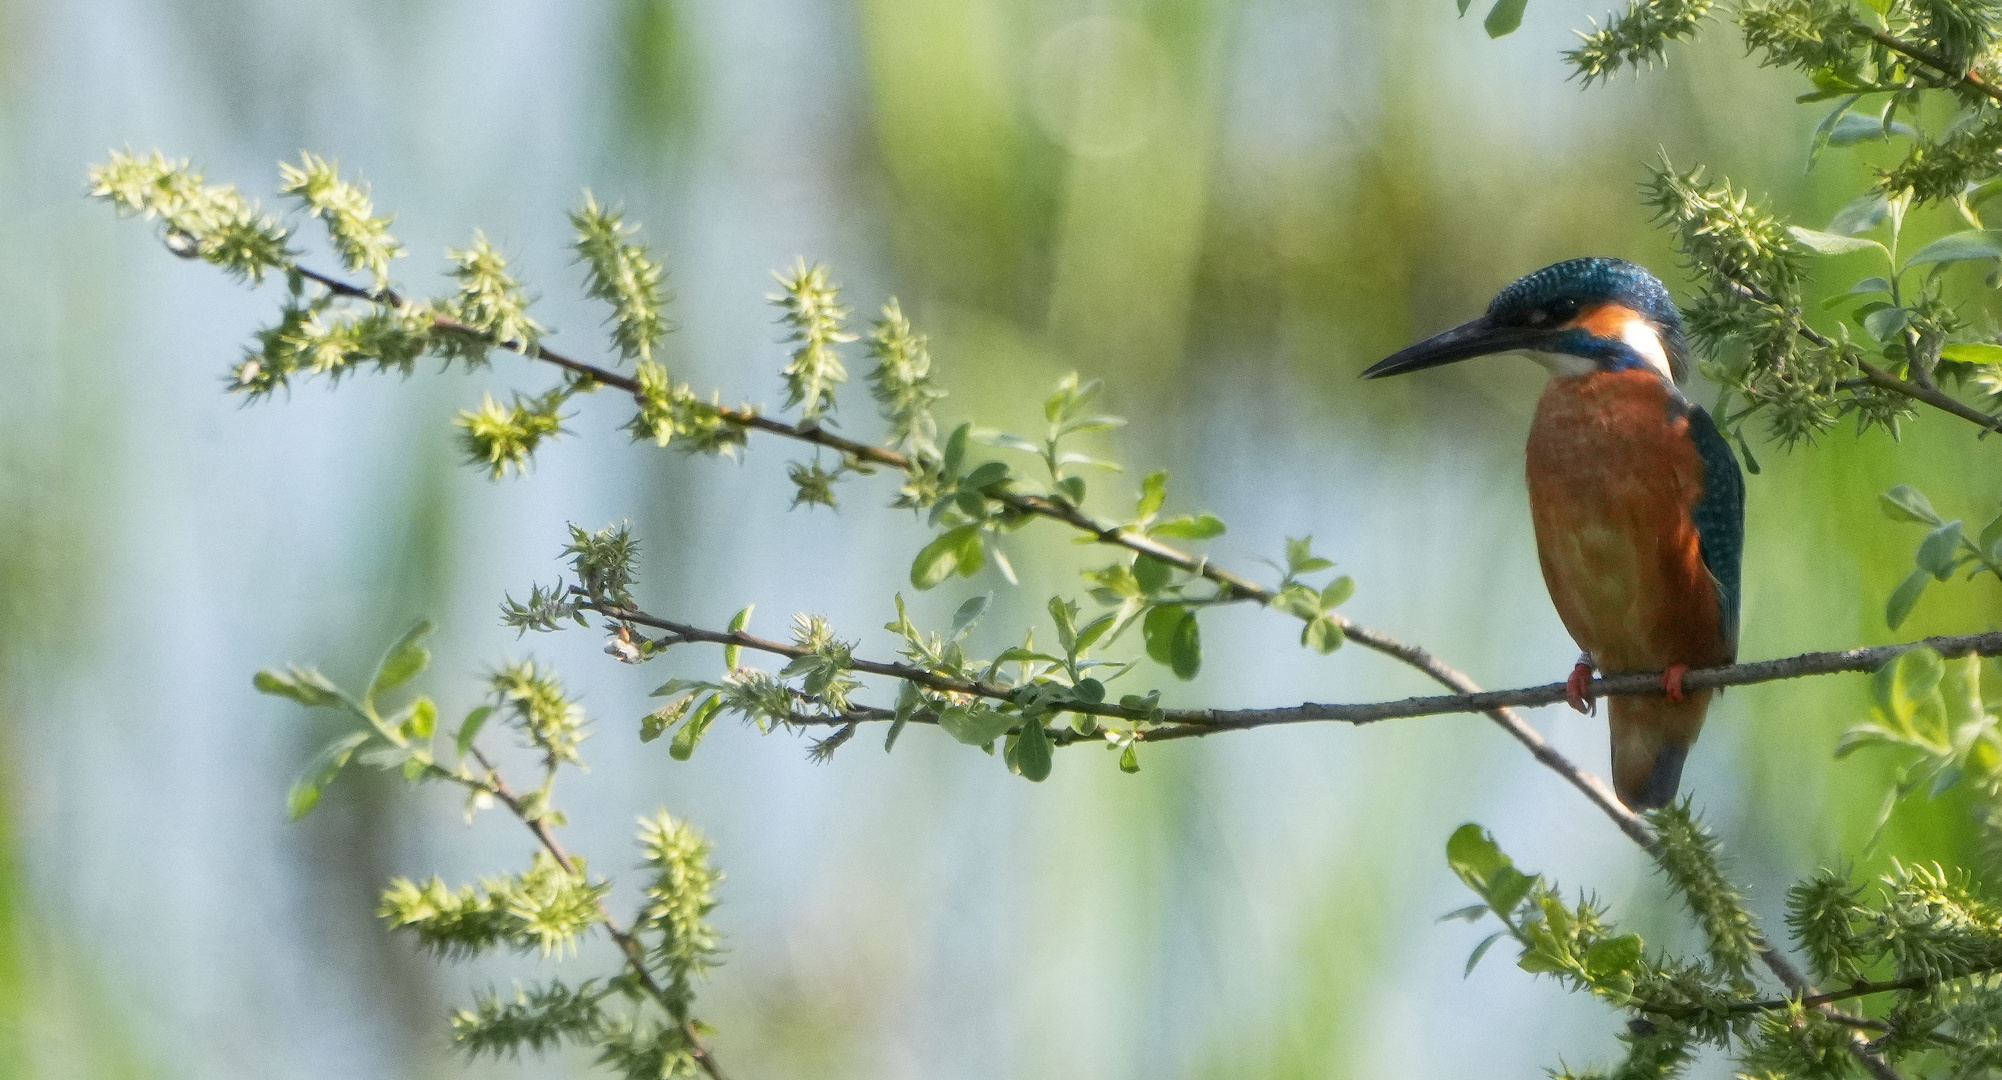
1613, 479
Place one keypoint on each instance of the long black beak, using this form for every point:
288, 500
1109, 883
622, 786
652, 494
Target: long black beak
1478, 337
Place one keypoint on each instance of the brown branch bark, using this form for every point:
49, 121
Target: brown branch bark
1208, 721
1898, 45
1927, 393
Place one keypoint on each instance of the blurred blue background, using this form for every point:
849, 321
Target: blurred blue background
1225, 209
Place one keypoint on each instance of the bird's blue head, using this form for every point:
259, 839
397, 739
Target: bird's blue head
1574, 317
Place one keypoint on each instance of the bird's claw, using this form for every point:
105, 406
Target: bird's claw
1671, 682
1575, 689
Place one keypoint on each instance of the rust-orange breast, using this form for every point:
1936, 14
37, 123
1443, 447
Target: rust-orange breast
1613, 480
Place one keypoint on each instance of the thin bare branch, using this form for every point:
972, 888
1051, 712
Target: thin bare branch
1208, 721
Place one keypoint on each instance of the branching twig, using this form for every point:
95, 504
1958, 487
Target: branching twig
1875, 376
628, 944
1971, 79
1207, 721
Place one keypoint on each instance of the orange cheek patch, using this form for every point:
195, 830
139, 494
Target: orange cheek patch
1607, 320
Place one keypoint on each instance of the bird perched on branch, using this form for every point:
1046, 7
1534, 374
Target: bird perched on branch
1637, 499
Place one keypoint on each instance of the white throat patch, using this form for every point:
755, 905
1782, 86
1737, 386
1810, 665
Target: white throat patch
1638, 334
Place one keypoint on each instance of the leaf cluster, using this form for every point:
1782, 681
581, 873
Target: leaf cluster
639, 1017
1946, 549
1929, 939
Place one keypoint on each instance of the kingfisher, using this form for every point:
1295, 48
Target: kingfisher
1637, 500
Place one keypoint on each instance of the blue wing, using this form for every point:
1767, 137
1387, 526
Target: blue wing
1720, 516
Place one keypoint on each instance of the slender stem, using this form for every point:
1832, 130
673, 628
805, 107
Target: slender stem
1971, 79
628, 944
1207, 721
1875, 376
1860, 988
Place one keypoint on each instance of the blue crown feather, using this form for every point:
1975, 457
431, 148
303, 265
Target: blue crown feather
1582, 283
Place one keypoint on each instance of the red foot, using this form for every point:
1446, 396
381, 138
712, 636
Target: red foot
1575, 687
1671, 681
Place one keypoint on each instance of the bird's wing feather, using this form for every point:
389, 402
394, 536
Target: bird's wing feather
1720, 516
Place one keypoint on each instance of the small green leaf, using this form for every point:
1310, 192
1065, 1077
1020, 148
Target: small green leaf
1322, 634
1937, 550
1506, 888
1089, 633
1129, 759
1158, 629
975, 725
969, 614
1032, 751
1504, 17
1823, 243
469, 728
402, 663
1153, 493
320, 772
1003, 439
697, 726
972, 551
1991, 537
1475, 856
908, 700
985, 476
955, 449
1969, 352
1885, 322
1185, 648
1613, 957
733, 653
1856, 127
1820, 138
1072, 489
1907, 503
1960, 247
1189, 527
1173, 639
303, 685
1090, 691
423, 720
1482, 950
940, 558
656, 723
1904, 684
1463, 6
1063, 612
1338, 592
1152, 574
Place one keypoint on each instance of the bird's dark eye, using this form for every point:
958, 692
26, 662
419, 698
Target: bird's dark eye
1561, 310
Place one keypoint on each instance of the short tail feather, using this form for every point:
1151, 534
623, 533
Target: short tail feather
1651, 740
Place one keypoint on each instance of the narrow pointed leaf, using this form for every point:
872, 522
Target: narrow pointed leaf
1960, 247
1823, 243
1907, 503
1482, 950
1504, 17
402, 663
1032, 751
320, 772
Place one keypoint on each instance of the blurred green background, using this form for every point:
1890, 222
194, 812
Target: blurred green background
1225, 209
